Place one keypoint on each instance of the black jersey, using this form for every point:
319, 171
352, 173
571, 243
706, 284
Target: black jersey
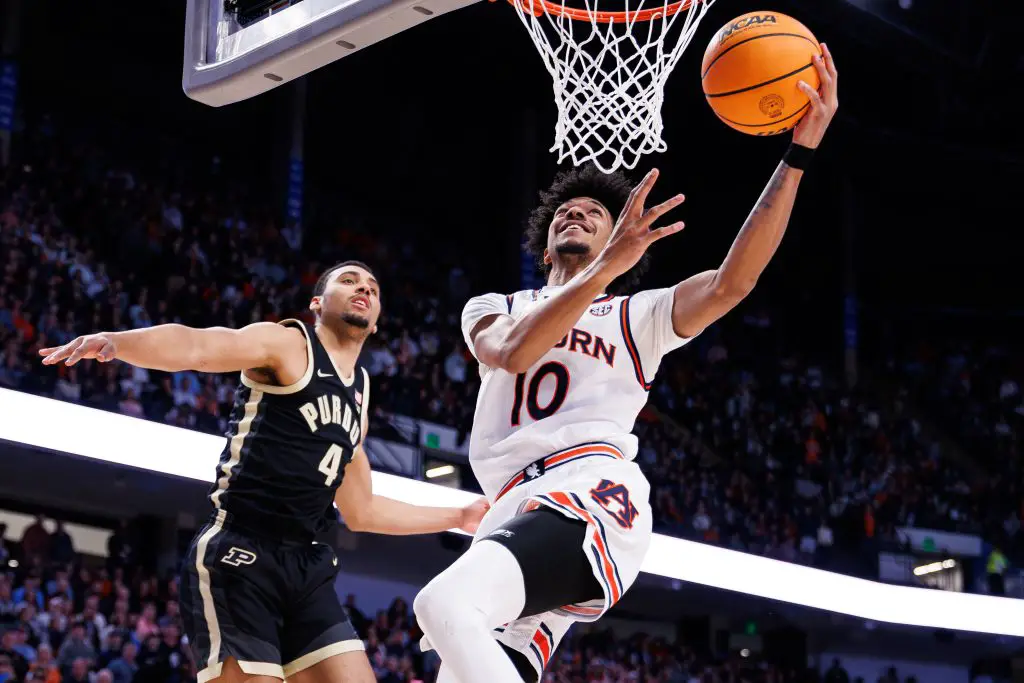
288, 447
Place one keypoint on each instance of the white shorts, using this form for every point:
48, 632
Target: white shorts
612, 497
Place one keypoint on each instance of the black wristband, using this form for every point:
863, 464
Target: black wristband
798, 156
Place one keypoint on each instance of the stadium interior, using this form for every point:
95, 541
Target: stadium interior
837, 467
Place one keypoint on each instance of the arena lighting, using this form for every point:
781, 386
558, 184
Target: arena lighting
439, 471
934, 567
119, 439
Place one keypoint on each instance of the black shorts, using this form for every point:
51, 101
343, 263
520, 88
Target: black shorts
271, 605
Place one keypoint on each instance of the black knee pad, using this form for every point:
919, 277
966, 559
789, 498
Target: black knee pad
549, 548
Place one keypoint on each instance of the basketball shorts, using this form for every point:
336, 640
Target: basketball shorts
270, 604
612, 498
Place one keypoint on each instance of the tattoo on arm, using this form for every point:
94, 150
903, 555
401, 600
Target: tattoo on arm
771, 192
763, 230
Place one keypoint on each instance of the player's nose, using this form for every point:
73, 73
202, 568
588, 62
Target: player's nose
575, 213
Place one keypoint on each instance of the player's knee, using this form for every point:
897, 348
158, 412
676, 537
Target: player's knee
430, 603
445, 606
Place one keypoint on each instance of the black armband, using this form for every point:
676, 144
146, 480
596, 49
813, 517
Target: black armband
798, 156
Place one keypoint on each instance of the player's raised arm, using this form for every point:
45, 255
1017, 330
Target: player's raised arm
499, 341
176, 347
706, 297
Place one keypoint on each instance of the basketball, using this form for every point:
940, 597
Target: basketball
751, 70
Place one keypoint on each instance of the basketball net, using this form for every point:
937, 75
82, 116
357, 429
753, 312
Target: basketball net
609, 71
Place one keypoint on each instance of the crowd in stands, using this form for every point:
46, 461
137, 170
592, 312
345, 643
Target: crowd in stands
761, 452
63, 620
790, 461
85, 247
973, 390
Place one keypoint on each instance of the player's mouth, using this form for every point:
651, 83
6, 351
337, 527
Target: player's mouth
569, 226
361, 302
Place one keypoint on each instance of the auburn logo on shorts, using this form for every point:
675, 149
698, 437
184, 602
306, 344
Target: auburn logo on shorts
236, 557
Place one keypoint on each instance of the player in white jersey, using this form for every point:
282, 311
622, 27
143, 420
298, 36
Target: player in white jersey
565, 372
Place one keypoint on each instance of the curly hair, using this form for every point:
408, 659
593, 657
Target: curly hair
610, 189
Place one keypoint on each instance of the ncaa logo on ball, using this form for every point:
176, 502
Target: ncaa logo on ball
600, 310
771, 106
746, 22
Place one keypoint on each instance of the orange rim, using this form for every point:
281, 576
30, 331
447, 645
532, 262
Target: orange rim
553, 8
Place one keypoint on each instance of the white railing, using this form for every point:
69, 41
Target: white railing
119, 439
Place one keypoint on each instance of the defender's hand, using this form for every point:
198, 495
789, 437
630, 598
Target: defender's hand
472, 514
824, 102
633, 234
100, 347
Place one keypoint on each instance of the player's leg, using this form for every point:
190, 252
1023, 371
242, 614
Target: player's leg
318, 642
520, 661
351, 667
230, 607
230, 672
533, 564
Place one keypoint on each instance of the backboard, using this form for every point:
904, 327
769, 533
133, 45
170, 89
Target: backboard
228, 60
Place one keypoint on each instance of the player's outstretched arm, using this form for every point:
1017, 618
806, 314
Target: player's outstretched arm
363, 510
706, 297
176, 347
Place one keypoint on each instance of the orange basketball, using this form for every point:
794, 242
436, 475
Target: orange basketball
751, 69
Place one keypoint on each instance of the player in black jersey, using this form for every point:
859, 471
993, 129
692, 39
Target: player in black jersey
258, 593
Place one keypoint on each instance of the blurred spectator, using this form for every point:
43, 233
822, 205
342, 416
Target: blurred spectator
62, 550
836, 673
75, 648
35, 541
44, 669
124, 667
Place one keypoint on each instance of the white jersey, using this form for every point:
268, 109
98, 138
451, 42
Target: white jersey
588, 389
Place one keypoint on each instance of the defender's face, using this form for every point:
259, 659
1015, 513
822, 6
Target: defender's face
580, 226
352, 295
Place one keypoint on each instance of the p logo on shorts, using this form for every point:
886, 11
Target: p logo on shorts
237, 557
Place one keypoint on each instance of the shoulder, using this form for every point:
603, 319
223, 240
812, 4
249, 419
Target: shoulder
649, 297
486, 305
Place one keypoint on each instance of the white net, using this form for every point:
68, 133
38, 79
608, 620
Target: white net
609, 76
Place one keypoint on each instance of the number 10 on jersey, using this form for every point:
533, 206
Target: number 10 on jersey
528, 389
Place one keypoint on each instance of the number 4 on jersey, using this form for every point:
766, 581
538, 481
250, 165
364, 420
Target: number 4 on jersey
331, 463
615, 499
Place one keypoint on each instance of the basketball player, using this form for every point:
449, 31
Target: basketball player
565, 371
258, 593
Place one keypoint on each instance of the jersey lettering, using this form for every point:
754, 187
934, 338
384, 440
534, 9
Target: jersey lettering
581, 341
331, 409
615, 499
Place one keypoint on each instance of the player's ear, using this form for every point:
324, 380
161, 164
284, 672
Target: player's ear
374, 330
547, 257
314, 305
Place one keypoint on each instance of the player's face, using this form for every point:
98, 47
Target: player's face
352, 296
581, 226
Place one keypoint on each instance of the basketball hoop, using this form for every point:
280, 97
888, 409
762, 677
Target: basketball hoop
609, 71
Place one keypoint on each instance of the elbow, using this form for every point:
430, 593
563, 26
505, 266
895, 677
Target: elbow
357, 523
733, 289
512, 360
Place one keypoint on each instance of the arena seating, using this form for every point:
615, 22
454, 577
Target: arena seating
759, 452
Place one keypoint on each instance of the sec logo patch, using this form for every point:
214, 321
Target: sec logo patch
600, 310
